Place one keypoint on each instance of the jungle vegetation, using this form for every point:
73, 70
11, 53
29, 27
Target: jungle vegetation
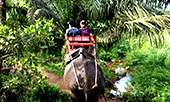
135, 32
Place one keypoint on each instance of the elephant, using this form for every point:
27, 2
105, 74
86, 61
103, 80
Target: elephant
84, 89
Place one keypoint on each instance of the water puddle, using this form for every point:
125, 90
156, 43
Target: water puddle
122, 84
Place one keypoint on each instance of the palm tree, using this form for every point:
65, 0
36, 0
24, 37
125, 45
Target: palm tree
122, 18
132, 16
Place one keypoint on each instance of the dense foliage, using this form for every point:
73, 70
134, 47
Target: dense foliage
21, 82
114, 52
32, 38
22, 50
150, 81
111, 20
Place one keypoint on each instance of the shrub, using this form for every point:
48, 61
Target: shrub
48, 93
25, 83
19, 83
106, 55
116, 51
110, 76
136, 57
57, 68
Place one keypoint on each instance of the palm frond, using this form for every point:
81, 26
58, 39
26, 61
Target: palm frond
39, 9
134, 19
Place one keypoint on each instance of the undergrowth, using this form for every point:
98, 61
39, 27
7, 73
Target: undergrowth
110, 76
21, 81
150, 81
117, 51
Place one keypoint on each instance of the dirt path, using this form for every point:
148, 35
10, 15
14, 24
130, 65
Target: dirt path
54, 79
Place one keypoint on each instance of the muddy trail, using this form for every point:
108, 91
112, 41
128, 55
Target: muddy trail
54, 79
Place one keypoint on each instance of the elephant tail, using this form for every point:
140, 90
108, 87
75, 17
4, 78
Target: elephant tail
87, 97
87, 90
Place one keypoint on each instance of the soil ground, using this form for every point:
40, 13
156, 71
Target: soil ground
54, 79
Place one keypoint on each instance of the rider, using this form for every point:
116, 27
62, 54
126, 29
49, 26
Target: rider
72, 30
85, 31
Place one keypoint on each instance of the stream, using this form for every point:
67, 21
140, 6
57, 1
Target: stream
122, 84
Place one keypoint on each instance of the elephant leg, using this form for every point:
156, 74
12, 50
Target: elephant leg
93, 98
72, 96
76, 97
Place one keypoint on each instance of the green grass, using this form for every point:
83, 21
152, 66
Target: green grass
56, 68
151, 68
49, 63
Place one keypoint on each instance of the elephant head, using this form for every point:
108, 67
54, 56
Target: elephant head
79, 76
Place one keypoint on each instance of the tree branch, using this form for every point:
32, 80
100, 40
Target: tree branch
2, 58
5, 56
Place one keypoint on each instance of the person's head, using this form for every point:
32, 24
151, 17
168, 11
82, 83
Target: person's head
82, 23
71, 23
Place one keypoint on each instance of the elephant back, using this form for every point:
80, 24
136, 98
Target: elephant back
77, 53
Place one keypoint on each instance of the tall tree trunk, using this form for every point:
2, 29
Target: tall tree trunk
3, 11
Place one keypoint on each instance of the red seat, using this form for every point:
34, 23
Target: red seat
80, 41
81, 38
